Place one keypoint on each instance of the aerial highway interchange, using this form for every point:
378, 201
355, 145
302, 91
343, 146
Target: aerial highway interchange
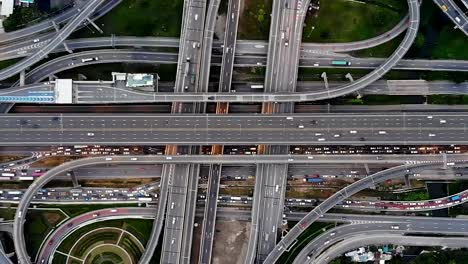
198, 148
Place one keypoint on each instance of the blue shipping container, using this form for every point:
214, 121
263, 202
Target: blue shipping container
314, 180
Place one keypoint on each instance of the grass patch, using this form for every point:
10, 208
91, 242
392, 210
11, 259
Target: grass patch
383, 100
308, 235
59, 259
106, 236
140, 228
140, 18
67, 244
37, 226
254, 21
344, 21
129, 245
457, 187
106, 257
8, 213
413, 196
448, 99
437, 39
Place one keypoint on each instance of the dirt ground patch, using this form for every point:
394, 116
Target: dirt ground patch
10, 158
52, 218
230, 242
196, 240
52, 162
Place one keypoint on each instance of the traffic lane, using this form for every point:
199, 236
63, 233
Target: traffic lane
74, 60
174, 223
272, 207
357, 122
214, 136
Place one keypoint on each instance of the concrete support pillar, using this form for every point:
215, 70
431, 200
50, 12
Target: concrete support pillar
22, 78
94, 25
74, 180
367, 168
325, 79
444, 156
56, 27
66, 47
407, 181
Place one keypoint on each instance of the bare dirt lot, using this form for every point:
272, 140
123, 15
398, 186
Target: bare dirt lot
230, 241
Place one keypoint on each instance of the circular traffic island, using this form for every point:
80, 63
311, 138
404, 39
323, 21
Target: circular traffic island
114, 244
107, 254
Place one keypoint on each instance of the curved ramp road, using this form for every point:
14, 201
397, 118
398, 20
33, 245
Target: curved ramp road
61, 18
85, 12
18, 227
288, 240
366, 239
381, 225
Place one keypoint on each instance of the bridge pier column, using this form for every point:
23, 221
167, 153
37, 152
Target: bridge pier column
74, 180
56, 27
66, 47
367, 168
22, 78
407, 182
444, 156
325, 79
94, 25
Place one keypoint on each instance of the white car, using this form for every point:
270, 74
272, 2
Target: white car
90, 134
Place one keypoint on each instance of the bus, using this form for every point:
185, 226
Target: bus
8, 174
340, 63
15, 192
256, 86
26, 178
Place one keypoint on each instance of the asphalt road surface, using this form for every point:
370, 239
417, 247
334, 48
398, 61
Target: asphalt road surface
385, 129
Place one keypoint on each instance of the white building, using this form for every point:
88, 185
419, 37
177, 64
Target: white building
6, 7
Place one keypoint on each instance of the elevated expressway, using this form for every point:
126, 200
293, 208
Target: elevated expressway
319, 129
182, 178
28, 33
48, 176
105, 92
318, 251
386, 238
359, 84
454, 12
28, 47
116, 56
61, 35
288, 240
425, 225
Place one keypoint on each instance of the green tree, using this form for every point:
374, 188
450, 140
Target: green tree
21, 17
